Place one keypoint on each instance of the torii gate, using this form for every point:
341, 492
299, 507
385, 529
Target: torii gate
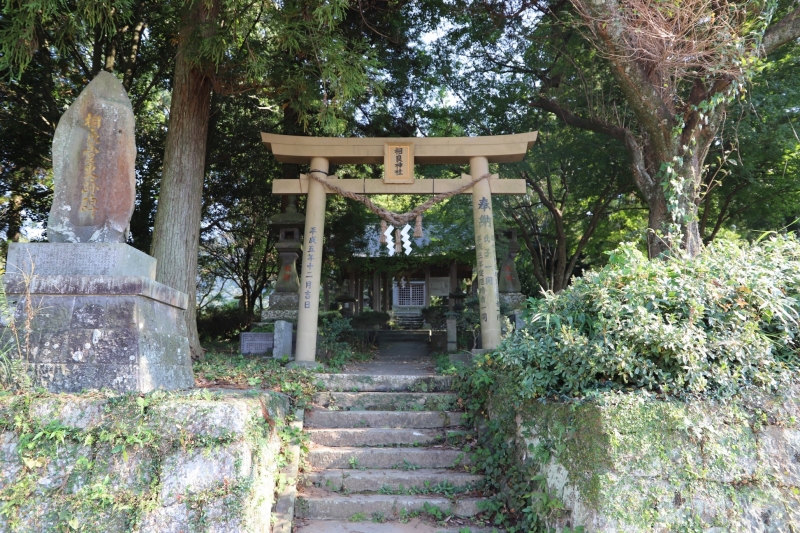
398, 154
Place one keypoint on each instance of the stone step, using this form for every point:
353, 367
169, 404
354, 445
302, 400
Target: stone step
409, 323
379, 507
384, 436
382, 419
415, 525
402, 458
396, 481
388, 401
384, 383
403, 336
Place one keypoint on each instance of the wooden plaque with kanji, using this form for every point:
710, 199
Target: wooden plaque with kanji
398, 162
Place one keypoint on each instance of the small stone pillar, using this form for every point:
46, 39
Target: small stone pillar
308, 309
452, 334
487, 259
283, 339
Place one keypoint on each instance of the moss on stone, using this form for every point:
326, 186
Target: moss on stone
95, 462
636, 462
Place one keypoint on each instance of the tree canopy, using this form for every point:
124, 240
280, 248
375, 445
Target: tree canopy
671, 123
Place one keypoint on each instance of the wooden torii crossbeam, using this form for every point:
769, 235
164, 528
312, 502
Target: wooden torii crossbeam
398, 155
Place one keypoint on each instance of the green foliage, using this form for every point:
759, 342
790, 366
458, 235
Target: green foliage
222, 322
331, 329
519, 501
337, 340
724, 320
468, 323
239, 371
370, 320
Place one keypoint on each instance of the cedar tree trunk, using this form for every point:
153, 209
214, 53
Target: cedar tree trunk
176, 233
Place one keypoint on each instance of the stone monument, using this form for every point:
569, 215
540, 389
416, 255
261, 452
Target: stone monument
511, 295
98, 317
510, 287
94, 154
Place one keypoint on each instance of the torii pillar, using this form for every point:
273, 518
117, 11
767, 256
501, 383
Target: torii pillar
398, 156
483, 219
308, 310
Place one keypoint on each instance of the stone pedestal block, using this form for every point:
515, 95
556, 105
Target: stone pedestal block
126, 333
283, 339
84, 259
282, 306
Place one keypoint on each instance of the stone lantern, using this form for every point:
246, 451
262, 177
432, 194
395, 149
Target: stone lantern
283, 303
458, 300
346, 300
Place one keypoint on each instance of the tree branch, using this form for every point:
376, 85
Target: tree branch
640, 173
590, 124
785, 31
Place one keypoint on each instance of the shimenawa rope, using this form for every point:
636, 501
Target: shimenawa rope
392, 218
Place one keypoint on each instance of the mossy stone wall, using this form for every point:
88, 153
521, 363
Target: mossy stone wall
201, 461
634, 462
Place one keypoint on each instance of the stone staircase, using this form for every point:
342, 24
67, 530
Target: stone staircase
408, 320
383, 451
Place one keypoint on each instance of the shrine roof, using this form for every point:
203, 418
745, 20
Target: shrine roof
427, 150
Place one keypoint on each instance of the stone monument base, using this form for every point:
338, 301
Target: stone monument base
126, 333
282, 306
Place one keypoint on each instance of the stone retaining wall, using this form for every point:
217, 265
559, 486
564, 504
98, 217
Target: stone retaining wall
631, 462
157, 463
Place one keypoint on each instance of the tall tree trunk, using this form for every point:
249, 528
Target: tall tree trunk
176, 232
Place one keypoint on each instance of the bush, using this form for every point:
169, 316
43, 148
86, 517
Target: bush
222, 323
332, 329
713, 324
435, 316
371, 320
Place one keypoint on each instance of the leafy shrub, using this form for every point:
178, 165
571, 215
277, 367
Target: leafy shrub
332, 327
435, 316
468, 323
371, 320
713, 324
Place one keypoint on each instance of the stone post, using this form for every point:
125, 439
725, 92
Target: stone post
308, 310
454, 286
484, 248
452, 334
282, 346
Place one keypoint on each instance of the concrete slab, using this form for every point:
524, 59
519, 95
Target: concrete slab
375, 480
382, 436
375, 506
351, 457
382, 419
385, 383
413, 526
388, 401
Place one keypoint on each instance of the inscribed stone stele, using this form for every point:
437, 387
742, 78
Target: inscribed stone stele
94, 154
